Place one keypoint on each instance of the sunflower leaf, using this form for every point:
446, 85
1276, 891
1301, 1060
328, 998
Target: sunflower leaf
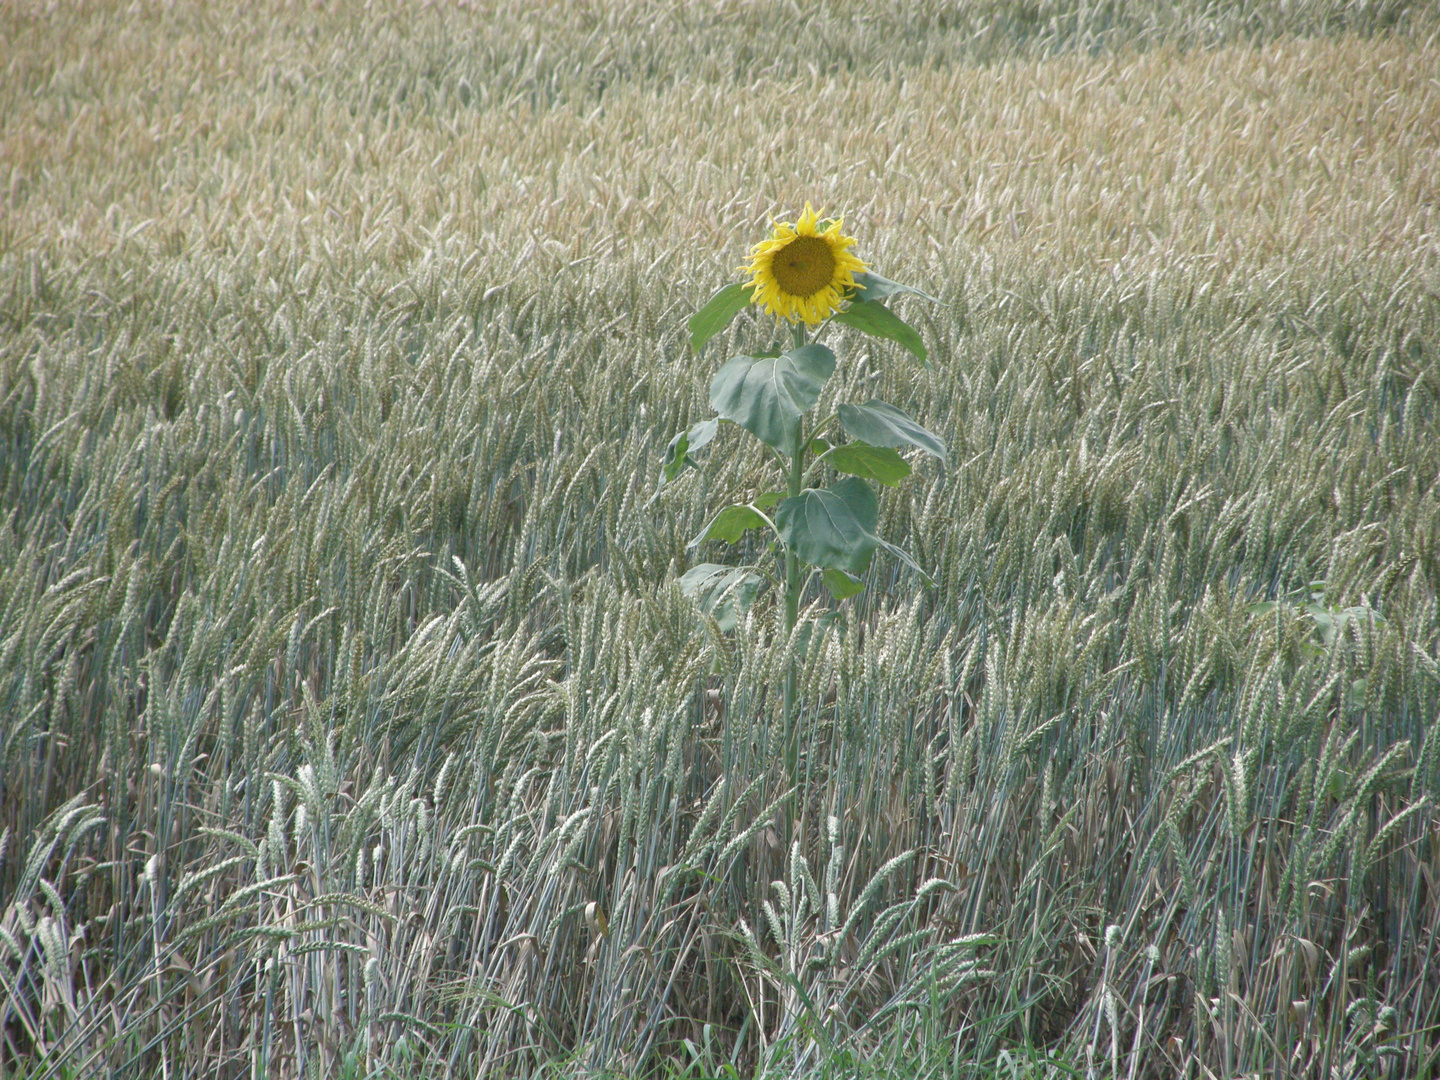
870, 286
880, 424
730, 525
717, 313
832, 528
841, 584
768, 395
723, 592
879, 463
875, 319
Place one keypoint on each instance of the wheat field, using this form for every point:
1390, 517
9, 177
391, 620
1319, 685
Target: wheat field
354, 724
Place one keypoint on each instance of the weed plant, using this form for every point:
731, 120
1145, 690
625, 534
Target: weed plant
354, 724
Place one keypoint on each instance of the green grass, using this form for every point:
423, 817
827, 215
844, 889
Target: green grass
341, 662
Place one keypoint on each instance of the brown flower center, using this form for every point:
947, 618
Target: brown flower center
804, 266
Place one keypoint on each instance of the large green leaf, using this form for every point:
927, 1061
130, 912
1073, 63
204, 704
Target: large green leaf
723, 592
870, 286
716, 314
875, 319
880, 424
834, 527
768, 395
730, 525
879, 463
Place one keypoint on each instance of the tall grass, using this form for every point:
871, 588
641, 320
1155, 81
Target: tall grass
354, 724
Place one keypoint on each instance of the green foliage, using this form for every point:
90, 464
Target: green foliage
724, 593
682, 446
832, 531
880, 424
874, 318
730, 524
767, 396
870, 288
716, 314
880, 464
841, 584
833, 527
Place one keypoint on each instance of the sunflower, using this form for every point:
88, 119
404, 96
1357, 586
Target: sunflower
801, 272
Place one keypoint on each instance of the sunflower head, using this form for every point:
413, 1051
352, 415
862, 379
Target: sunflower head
801, 272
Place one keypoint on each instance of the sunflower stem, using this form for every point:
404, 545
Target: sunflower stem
792, 561
793, 587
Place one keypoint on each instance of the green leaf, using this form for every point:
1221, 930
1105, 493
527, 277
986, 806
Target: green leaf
880, 424
870, 286
832, 528
878, 463
1331, 623
768, 499
724, 593
875, 319
1358, 690
841, 584
1325, 623
768, 395
906, 558
730, 525
677, 454
716, 314
818, 446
